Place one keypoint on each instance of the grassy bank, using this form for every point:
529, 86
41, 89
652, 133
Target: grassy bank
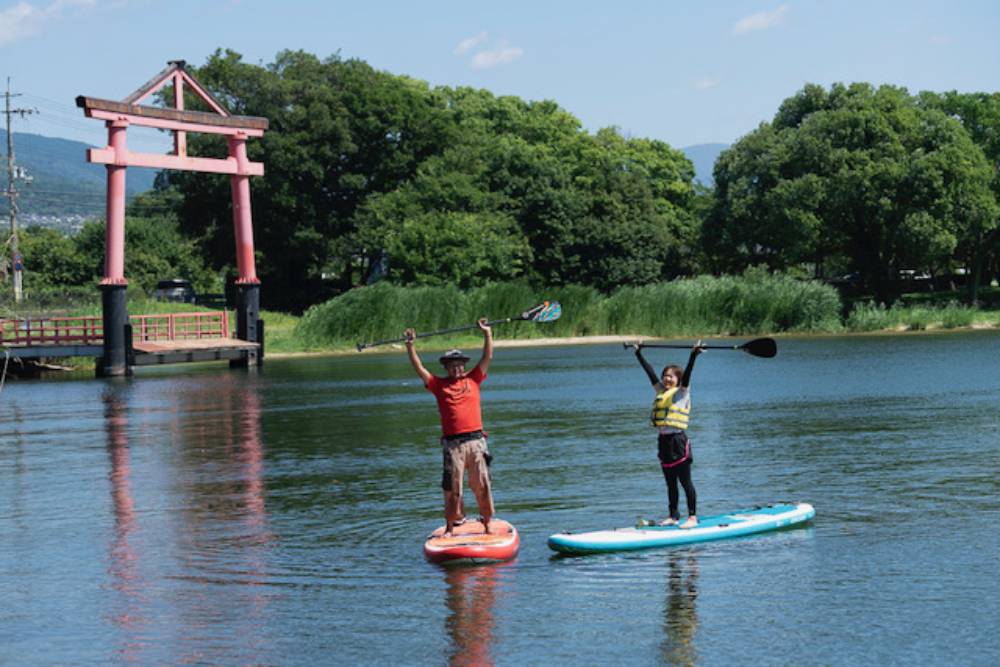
868, 317
750, 305
753, 304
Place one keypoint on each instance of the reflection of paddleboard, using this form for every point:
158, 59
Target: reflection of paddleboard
470, 544
743, 522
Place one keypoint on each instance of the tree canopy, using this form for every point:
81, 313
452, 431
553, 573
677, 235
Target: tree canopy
860, 178
372, 176
368, 171
154, 250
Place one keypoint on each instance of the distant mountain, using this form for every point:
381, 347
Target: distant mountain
62, 183
703, 156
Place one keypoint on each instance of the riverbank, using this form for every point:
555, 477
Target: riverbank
740, 309
470, 344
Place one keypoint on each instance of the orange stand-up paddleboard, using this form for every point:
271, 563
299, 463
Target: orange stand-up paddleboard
469, 543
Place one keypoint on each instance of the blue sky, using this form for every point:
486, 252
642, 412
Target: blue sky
681, 71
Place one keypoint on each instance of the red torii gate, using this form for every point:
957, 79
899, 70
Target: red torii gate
118, 116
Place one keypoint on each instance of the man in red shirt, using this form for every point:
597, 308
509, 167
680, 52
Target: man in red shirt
463, 442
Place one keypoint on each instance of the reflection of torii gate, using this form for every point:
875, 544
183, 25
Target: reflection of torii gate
118, 116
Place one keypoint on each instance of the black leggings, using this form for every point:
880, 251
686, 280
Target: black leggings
680, 473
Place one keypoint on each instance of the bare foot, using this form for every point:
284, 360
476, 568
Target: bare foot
669, 521
691, 522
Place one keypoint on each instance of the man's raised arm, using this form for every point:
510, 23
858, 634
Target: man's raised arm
411, 337
484, 363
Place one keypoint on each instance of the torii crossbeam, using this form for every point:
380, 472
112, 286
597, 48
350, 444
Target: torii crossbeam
118, 116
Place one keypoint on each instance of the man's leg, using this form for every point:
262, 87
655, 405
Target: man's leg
477, 457
451, 483
451, 511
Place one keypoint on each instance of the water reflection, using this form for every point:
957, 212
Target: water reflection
209, 437
472, 596
680, 615
124, 565
20, 472
226, 538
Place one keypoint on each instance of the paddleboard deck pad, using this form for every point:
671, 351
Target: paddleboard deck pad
734, 524
469, 543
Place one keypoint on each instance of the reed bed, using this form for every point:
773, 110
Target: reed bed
870, 316
742, 305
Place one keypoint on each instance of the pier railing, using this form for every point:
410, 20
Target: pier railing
90, 330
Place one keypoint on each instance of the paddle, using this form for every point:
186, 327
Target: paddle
547, 311
758, 347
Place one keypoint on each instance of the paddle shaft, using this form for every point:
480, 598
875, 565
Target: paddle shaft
688, 347
759, 347
466, 327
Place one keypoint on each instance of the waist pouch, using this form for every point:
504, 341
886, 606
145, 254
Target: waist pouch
464, 437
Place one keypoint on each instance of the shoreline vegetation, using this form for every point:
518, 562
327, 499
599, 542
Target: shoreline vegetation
752, 305
472, 345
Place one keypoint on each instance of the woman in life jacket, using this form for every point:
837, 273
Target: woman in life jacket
671, 411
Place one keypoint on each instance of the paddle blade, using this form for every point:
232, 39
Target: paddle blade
549, 311
761, 347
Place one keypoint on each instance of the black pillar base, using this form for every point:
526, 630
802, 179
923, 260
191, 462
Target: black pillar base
249, 326
115, 361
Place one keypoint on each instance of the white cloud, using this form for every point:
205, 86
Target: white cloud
16, 22
760, 21
502, 55
470, 43
705, 84
487, 52
25, 20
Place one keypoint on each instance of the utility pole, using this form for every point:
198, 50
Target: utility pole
17, 264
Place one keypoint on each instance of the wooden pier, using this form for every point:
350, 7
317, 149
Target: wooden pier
154, 339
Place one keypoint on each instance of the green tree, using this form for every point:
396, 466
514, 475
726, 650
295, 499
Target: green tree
595, 209
53, 260
340, 131
155, 250
460, 249
855, 172
979, 114
357, 160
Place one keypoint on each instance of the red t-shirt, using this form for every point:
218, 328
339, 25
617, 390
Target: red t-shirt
458, 402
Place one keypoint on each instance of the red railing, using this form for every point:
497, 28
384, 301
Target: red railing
180, 326
52, 331
90, 330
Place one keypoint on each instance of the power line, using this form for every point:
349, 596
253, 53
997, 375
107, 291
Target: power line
12, 174
66, 116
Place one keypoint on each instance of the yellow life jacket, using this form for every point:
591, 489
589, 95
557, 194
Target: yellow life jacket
671, 410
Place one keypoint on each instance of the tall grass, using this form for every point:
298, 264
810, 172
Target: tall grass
83, 301
62, 301
876, 317
753, 303
749, 304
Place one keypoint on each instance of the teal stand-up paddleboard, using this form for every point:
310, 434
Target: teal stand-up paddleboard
734, 524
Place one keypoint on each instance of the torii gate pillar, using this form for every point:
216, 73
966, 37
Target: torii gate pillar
248, 323
119, 116
113, 286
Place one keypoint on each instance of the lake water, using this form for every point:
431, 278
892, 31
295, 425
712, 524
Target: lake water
197, 515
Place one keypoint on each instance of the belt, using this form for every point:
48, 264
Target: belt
463, 437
